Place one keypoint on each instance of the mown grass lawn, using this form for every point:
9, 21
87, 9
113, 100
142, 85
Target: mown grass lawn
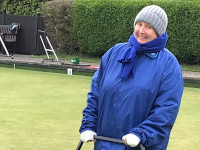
42, 111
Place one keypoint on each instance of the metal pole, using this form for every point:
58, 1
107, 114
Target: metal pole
106, 139
79, 145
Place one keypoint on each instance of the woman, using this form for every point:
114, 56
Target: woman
136, 92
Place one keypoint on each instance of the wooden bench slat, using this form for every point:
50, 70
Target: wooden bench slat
6, 34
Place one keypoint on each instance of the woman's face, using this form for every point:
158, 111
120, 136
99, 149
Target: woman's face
144, 32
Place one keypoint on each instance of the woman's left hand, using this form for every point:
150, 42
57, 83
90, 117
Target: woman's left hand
131, 140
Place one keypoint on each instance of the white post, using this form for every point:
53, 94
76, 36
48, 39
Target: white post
69, 71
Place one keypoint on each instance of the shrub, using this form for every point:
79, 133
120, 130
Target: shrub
58, 20
183, 30
98, 25
21, 7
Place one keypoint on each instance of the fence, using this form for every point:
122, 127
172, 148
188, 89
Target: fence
28, 40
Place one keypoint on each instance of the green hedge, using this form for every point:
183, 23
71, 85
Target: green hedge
99, 24
96, 25
183, 30
21, 7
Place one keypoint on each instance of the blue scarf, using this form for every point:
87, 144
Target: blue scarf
128, 57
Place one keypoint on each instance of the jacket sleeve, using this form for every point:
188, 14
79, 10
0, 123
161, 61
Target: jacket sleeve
90, 113
163, 114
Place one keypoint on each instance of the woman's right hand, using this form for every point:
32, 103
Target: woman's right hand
87, 136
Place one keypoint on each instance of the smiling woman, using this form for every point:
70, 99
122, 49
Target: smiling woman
136, 92
144, 32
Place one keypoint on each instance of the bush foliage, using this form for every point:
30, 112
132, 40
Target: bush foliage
58, 20
100, 24
21, 7
96, 25
93, 26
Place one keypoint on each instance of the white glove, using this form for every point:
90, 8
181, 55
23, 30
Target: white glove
87, 136
131, 140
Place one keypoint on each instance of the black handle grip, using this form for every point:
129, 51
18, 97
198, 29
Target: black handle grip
101, 138
79, 145
108, 139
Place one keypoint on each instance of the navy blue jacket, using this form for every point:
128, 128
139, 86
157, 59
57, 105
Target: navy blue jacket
146, 105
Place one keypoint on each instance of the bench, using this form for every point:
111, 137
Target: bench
8, 36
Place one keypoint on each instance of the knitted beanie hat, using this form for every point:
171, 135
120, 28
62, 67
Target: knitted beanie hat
155, 16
